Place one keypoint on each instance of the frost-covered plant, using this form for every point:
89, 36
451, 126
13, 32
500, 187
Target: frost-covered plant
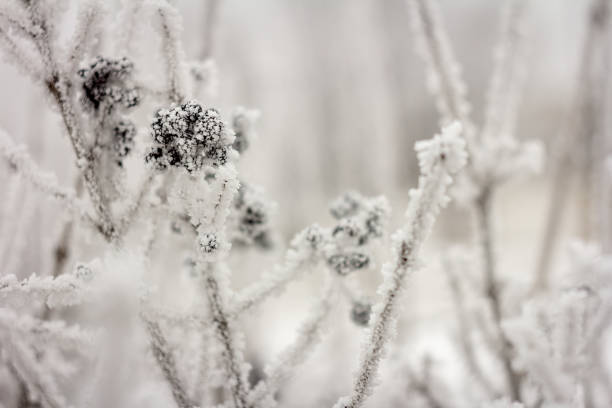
495, 156
159, 208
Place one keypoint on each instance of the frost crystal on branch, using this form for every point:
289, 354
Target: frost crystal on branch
446, 150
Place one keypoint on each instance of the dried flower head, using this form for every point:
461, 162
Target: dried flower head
252, 216
123, 133
107, 85
312, 238
190, 137
360, 218
243, 124
209, 243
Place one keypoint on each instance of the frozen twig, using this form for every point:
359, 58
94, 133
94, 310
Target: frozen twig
216, 290
308, 335
469, 354
443, 71
18, 158
271, 283
438, 159
85, 34
507, 76
585, 119
165, 360
492, 291
65, 290
60, 87
174, 56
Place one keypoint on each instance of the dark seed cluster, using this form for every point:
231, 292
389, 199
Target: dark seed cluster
242, 124
107, 85
252, 212
123, 134
190, 137
209, 243
360, 219
345, 263
360, 313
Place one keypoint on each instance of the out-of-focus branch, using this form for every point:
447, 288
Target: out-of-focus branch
211, 11
19, 159
60, 87
465, 333
492, 292
438, 159
443, 71
422, 385
309, 334
174, 58
584, 123
166, 362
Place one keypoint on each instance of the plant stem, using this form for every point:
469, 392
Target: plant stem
491, 289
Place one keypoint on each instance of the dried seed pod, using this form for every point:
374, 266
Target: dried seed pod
360, 313
344, 264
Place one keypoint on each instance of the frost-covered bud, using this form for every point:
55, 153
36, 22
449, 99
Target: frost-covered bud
361, 218
208, 243
347, 229
360, 313
344, 264
446, 149
123, 134
313, 238
375, 219
346, 205
84, 272
107, 85
243, 124
190, 137
252, 216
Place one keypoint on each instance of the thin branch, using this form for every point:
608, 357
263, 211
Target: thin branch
60, 88
18, 158
444, 72
271, 283
492, 292
309, 334
211, 11
165, 361
438, 158
233, 359
170, 21
465, 333
581, 125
